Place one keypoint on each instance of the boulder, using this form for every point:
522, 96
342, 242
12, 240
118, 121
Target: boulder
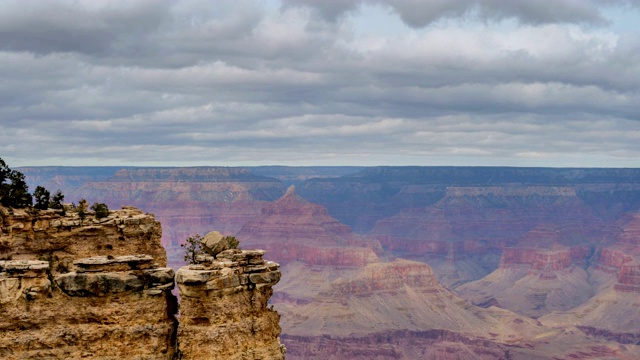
214, 243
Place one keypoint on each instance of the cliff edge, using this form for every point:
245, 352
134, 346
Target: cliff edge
76, 287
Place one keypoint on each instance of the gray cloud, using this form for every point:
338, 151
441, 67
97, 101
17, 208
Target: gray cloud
420, 13
190, 82
84, 27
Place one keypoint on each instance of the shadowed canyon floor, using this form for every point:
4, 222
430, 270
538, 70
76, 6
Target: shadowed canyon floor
412, 262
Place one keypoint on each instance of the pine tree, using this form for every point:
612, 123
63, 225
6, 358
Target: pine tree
42, 198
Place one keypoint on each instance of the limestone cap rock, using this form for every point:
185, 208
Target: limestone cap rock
214, 243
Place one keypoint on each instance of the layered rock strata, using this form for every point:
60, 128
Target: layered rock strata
398, 310
223, 309
612, 313
63, 239
72, 291
293, 229
99, 314
534, 282
73, 288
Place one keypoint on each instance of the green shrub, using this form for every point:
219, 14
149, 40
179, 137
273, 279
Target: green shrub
233, 242
101, 210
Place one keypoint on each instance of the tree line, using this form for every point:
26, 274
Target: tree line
14, 192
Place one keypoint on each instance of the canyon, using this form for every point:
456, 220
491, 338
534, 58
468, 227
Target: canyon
414, 262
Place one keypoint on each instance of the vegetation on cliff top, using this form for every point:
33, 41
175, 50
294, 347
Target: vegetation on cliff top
14, 192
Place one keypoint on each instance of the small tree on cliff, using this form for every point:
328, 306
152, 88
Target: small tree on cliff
56, 201
233, 242
192, 247
42, 197
14, 191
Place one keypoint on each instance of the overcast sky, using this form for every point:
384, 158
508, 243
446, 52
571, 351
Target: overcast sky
320, 82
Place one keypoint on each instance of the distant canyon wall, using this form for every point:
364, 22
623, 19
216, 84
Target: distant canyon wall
557, 245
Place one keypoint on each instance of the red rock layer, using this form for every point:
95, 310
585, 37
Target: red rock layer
541, 259
432, 344
623, 258
293, 229
611, 259
629, 277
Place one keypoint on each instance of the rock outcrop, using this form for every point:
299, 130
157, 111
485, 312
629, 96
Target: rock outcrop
66, 238
85, 288
223, 309
74, 288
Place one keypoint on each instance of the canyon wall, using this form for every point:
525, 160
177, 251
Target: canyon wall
559, 245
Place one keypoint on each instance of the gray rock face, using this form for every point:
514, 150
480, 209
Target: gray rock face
22, 266
214, 243
101, 283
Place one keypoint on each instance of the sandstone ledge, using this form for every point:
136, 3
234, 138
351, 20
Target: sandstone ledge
231, 271
153, 282
117, 263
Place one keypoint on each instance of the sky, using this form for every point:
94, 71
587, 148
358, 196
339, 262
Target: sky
311, 82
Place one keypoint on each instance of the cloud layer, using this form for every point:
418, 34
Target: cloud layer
304, 82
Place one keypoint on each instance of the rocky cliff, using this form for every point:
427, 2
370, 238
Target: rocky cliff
223, 311
612, 313
73, 287
293, 229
